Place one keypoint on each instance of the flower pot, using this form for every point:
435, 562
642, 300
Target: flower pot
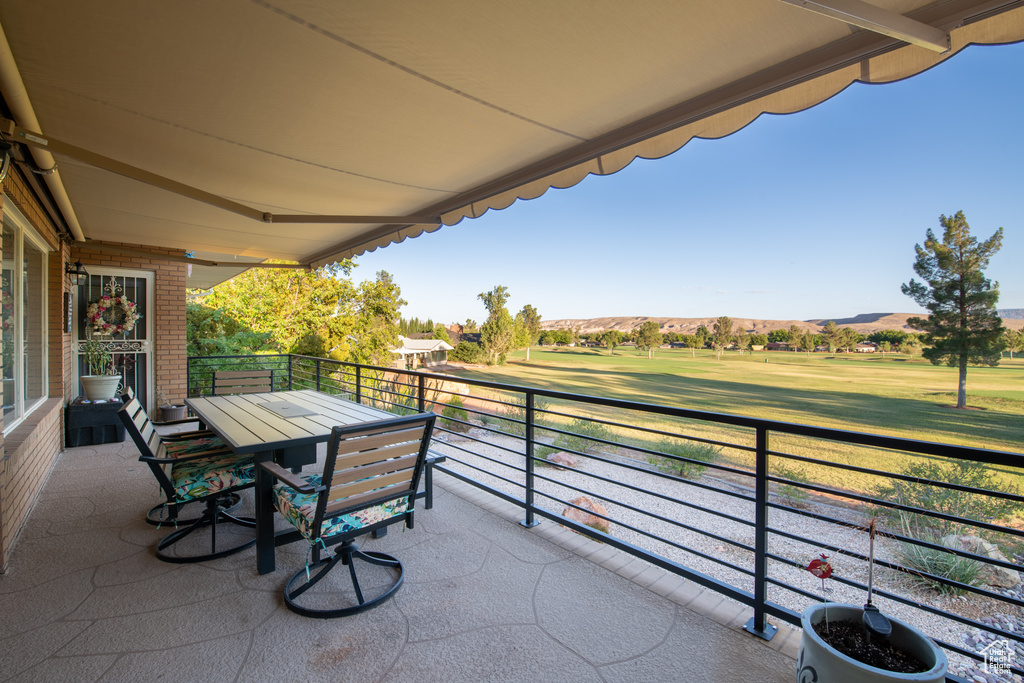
100, 387
172, 412
819, 662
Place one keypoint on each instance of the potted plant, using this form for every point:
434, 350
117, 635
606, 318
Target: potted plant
103, 379
849, 643
168, 411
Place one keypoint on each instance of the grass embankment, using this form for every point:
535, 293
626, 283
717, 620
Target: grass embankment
894, 395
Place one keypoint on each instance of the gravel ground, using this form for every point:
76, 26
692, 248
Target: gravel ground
693, 546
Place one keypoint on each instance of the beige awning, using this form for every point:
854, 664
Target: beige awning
374, 119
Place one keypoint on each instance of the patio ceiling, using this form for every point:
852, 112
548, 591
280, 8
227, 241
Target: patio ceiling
377, 121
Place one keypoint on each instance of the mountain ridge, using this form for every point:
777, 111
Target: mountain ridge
865, 323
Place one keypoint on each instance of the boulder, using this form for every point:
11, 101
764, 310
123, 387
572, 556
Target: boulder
1000, 577
562, 460
586, 517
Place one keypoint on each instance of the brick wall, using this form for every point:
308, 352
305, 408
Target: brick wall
168, 357
28, 453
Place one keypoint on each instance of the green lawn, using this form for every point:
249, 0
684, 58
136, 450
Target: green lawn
895, 395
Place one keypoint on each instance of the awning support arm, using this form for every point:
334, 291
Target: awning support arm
18, 134
879, 20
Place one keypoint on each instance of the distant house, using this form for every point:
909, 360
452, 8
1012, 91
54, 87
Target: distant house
866, 347
421, 352
778, 346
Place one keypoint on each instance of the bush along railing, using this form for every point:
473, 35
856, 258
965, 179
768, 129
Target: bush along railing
731, 503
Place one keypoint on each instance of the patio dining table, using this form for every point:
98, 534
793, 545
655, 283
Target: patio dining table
283, 426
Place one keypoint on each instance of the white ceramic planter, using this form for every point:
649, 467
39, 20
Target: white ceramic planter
100, 387
820, 663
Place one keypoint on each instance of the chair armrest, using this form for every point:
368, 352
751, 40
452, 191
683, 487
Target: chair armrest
433, 457
293, 480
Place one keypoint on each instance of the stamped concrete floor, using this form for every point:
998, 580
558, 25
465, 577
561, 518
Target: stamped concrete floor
484, 599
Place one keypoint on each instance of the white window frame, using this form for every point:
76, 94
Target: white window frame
23, 231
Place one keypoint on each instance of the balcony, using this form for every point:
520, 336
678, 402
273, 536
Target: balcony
701, 562
484, 599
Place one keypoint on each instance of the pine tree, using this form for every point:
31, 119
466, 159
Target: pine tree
962, 326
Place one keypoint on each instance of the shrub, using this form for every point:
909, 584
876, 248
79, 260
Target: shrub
949, 501
794, 495
684, 449
939, 563
970, 506
467, 352
454, 416
582, 437
512, 416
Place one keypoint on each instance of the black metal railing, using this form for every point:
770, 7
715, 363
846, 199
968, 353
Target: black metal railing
735, 504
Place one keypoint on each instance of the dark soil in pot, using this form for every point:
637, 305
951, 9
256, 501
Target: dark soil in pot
854, 641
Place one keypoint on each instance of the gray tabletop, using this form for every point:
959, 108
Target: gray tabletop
250, 426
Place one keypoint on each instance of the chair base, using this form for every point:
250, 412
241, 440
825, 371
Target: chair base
214, 514
347, 554
162, 514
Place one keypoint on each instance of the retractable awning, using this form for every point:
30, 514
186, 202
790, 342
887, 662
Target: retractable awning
314, 130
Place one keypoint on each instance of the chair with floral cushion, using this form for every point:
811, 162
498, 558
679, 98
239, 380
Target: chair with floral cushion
202, 469
370, 477
166, 513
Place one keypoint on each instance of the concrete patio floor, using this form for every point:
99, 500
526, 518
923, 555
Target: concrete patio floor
484, 599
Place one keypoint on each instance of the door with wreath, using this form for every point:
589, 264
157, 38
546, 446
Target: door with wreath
113, 308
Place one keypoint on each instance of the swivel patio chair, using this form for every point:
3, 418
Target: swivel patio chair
369, 482
200, 469
163, 513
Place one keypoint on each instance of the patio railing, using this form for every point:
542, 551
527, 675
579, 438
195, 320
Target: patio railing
736, 504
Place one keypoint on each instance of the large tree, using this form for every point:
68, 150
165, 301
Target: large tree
302, 311
376, 331
497, 334
1015, 341
722, 333
962, 326
648, 337
830, 333
611, 339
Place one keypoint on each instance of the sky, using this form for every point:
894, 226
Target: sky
796, 217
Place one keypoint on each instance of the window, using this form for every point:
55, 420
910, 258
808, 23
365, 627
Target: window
22, 317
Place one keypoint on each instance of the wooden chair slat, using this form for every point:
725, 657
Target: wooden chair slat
403, 477
241, 374
363, 457
348, 476
365, 443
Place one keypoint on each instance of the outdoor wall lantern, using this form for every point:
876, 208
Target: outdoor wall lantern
79, 275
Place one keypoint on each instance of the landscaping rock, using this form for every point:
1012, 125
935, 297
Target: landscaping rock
563, 460
585, 517
989, 575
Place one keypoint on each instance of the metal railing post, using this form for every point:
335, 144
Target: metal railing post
291, 372
422, 405
188, 377
318, 374
757, 624
529, 522
359, 385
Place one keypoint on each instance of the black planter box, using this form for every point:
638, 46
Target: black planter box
89, 424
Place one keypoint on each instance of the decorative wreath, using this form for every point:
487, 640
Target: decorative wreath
112, 314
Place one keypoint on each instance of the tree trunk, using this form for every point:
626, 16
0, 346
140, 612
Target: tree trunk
961, 392
527, 354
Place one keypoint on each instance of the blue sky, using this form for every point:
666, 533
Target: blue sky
808, 215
